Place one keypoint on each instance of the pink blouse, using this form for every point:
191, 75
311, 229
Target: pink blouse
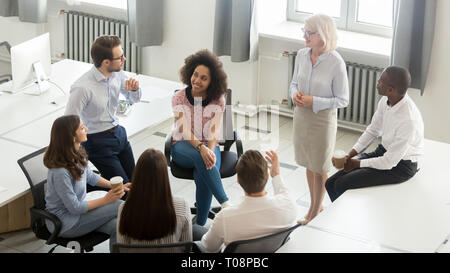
199, 116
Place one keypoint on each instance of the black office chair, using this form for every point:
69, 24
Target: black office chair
265, 244
33, 167
228, 158
181, 247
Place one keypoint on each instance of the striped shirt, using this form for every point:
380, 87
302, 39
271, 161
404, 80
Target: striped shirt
183, 231
95, 99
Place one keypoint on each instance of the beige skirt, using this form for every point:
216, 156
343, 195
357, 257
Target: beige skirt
314, 138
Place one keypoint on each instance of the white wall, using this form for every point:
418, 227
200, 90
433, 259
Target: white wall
189, 27
15, 32
434, 104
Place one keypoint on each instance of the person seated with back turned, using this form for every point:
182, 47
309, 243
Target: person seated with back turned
399, 122
150, 215
259, 214
68, 175
198, 111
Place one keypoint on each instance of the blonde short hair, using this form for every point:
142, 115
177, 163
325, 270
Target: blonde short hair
326, 28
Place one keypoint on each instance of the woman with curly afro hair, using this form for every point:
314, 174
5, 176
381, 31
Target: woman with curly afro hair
198, 111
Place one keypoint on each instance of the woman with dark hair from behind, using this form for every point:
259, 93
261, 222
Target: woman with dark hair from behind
150, 215
67, 177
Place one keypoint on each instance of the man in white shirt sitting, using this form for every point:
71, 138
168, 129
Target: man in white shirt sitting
259, 214
399, 122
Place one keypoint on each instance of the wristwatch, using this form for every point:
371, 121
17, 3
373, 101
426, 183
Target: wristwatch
198, 146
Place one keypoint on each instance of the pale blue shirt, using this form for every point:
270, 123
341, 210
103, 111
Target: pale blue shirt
326, 81
95, 99
65, 196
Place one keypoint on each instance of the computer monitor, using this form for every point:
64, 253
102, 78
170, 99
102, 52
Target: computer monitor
31, 65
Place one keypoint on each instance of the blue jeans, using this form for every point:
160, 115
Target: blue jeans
102, 219
207, 182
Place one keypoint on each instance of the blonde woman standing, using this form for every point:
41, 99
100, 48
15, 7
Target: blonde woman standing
319, 86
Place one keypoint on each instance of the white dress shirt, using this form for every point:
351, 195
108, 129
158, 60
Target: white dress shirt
254, 217
402, 131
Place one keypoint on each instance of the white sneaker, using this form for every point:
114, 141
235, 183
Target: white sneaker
225, 204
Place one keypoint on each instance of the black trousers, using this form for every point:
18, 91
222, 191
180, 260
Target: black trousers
111, 154
341, 181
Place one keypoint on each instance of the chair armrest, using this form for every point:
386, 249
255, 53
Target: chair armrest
236, 139
239, 148
197, 247
168, 147
193, 210
5, 78
39, 214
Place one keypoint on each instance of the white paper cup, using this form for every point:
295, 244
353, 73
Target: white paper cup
339, 159
116, 181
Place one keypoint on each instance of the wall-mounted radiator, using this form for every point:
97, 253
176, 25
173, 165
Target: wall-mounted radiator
362, 80
82, 29
364, 97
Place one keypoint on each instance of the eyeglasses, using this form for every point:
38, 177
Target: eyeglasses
308, 33
118, 58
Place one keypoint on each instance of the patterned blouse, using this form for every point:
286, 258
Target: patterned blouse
199, 114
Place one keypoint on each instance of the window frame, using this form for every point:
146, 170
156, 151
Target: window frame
103, 4
347, 21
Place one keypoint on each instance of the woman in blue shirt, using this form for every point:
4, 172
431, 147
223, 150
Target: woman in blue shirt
67, 177
319, 86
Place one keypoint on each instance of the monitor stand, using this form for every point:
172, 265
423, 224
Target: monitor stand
41, 80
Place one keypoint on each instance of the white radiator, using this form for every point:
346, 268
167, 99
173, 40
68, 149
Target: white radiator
82, 29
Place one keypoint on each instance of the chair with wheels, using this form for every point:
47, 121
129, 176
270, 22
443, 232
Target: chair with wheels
36, 173
228, 158
265, 244
181, 247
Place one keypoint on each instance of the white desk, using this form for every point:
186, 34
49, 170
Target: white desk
155, 107
17, 110
154, 110
445, 247
306, 239
27, 120
413, 216
13, 178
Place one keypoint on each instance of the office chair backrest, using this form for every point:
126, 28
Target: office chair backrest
266, 244
5, 77
228, 130
34, 169
6, 45
182, 247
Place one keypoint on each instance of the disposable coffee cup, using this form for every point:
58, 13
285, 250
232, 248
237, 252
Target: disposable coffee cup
116, 181
339, 159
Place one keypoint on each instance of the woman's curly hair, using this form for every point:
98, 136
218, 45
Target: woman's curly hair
218, 85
